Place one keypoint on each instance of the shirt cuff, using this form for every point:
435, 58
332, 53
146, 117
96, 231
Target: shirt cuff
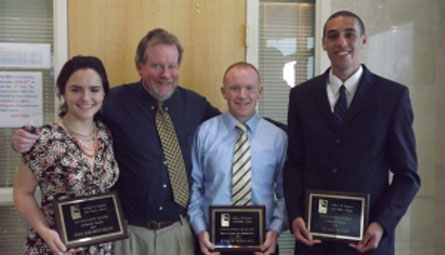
199, 225
277, 225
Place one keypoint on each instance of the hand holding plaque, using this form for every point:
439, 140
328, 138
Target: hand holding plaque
237, 228
90, 220
338, 216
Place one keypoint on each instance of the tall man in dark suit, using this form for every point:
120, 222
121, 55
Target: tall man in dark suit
353, 148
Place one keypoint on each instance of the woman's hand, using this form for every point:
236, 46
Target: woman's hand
52, 239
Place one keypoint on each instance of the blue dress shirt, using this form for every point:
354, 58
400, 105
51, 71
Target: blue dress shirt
212, 154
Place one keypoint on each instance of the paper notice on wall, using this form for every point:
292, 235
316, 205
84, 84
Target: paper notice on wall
21, 99
25, 55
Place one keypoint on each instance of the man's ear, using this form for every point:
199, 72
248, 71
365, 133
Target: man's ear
138, 67
364, 41
260, 89
223, 91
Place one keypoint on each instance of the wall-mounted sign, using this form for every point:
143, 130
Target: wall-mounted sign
21, 99
25, 55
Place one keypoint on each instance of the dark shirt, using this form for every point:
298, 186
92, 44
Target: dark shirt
143, 186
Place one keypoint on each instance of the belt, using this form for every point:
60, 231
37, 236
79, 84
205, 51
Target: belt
154, 225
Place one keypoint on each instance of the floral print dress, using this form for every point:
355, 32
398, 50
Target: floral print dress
63, 172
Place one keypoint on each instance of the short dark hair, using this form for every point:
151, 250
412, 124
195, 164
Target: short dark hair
241, 64
344, 13
155, 37
78, 63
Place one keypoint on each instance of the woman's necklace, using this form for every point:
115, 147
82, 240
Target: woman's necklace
90, 151
82, 137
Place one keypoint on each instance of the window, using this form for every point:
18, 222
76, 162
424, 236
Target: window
21, 21
286, 52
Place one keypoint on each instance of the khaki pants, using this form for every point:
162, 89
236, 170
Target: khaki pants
176, 239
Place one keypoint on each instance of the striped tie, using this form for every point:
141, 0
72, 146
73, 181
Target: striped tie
173, 156
241, 186
340, 107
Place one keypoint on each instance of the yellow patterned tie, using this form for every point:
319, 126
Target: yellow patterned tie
241, 186
173, 156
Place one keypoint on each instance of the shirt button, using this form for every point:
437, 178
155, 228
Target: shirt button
161, 208
166, 108
338, 140
164, 186
334, 170
152, 107
165, 162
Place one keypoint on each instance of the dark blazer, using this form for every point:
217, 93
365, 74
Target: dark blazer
376, 137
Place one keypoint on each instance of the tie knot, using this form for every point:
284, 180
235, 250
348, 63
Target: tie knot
242, 127
342, 95
160, 109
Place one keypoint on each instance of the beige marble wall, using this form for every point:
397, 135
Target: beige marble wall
406, 44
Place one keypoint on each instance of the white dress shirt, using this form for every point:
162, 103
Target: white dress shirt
334, 84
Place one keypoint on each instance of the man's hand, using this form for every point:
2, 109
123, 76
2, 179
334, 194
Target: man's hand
23, 139
302, 234
269, 245
371, 240
205, 245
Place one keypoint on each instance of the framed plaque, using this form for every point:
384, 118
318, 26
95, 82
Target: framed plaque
237, 228
90, 220
338, 216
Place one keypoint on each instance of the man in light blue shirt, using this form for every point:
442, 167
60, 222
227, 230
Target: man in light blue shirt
212, 156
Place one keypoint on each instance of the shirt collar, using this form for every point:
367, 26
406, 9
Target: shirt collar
251, 124
351, 84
